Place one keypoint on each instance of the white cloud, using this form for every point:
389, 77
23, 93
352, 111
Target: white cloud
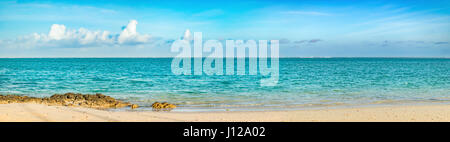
60, 36
187, 35
57, 32
129, 34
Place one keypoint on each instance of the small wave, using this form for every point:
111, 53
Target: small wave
140, 80
11, 92
121, 78
3, 71
99, 79
213, 105
24, 83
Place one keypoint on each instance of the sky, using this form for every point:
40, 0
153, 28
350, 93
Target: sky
304, 28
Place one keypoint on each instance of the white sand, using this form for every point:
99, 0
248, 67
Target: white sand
38, 112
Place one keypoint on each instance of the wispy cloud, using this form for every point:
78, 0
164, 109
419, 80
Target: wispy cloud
441, 42
308, 41
398, 23
51, 12
284, 41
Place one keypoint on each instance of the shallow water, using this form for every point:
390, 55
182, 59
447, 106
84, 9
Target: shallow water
303, 82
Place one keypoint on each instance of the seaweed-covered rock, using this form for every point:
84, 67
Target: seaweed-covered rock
163, 106
18, 99
69, 99
133, 106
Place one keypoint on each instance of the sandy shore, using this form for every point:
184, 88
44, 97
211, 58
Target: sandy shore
38, 112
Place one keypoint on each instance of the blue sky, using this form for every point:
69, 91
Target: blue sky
114, 28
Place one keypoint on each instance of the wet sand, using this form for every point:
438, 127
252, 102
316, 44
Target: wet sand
44, 113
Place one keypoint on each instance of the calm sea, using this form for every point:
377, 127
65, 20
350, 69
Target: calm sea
303, 82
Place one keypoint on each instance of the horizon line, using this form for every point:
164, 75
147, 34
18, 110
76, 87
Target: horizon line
249, 57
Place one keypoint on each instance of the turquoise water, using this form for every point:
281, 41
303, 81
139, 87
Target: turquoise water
303, 82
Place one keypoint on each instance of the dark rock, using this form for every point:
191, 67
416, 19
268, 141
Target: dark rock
133, 106
163, 106
69, 99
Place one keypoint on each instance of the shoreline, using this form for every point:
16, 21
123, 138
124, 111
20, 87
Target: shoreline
29, 112
293, 108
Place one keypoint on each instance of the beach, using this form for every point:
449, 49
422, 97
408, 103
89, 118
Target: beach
29, 112
308, 89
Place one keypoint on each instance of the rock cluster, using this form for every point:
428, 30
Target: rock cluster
133, 106
70, 99
163, 106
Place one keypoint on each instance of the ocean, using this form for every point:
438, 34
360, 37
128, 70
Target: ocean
303, 82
